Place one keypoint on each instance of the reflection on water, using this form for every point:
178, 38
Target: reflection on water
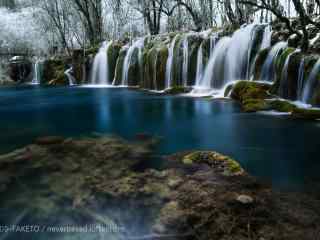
275, 148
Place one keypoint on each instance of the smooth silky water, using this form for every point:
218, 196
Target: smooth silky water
276, 149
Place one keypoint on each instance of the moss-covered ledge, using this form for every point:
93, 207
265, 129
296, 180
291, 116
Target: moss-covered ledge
255, 96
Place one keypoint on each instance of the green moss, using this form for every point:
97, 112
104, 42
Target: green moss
113, 54
244, 90
255, 105
177, 90
282, 106
220, 163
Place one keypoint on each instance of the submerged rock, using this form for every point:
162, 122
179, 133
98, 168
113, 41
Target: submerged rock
202, 195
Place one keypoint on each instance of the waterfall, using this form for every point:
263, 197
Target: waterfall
139, 44
199, 65
311, 83
284, 76
266, 38
185, 65
229, 61
268, 68
100, 69
213, 76
70, 77
239, 52
170, 62
300, 80
213, 42
36, 73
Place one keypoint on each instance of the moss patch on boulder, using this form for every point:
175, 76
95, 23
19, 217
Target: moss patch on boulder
221, 163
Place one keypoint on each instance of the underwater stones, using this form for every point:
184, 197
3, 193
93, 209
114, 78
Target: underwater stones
218, 162
245, 199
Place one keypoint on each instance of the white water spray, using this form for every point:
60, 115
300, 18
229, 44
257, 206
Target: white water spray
139, 44
170, 62
100, 69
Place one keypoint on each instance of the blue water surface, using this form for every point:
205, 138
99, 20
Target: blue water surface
277, 149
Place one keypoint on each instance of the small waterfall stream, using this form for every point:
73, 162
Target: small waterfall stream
169, 64
139, 44
70, 77
185, 65
268, 71
100, 69
36, 73
199, 65
311, 83
300, 80
283, 88
235, 53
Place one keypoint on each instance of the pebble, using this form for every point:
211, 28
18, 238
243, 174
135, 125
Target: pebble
245, 199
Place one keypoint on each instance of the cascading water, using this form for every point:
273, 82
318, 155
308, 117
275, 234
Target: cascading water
284, 76
214, 73
185, 65
268, 71
213, 42
311, 83
169, 64
300, 80
70, 77
100, 69
199, 65
266, 39
238, 54
139, 44
36, 73
229, 61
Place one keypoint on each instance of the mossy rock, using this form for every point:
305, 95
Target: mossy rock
282, 106
177, 90
119, 66
244, 90
223, 164
113, 54
255, 105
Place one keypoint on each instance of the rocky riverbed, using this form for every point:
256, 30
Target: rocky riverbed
108, 181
